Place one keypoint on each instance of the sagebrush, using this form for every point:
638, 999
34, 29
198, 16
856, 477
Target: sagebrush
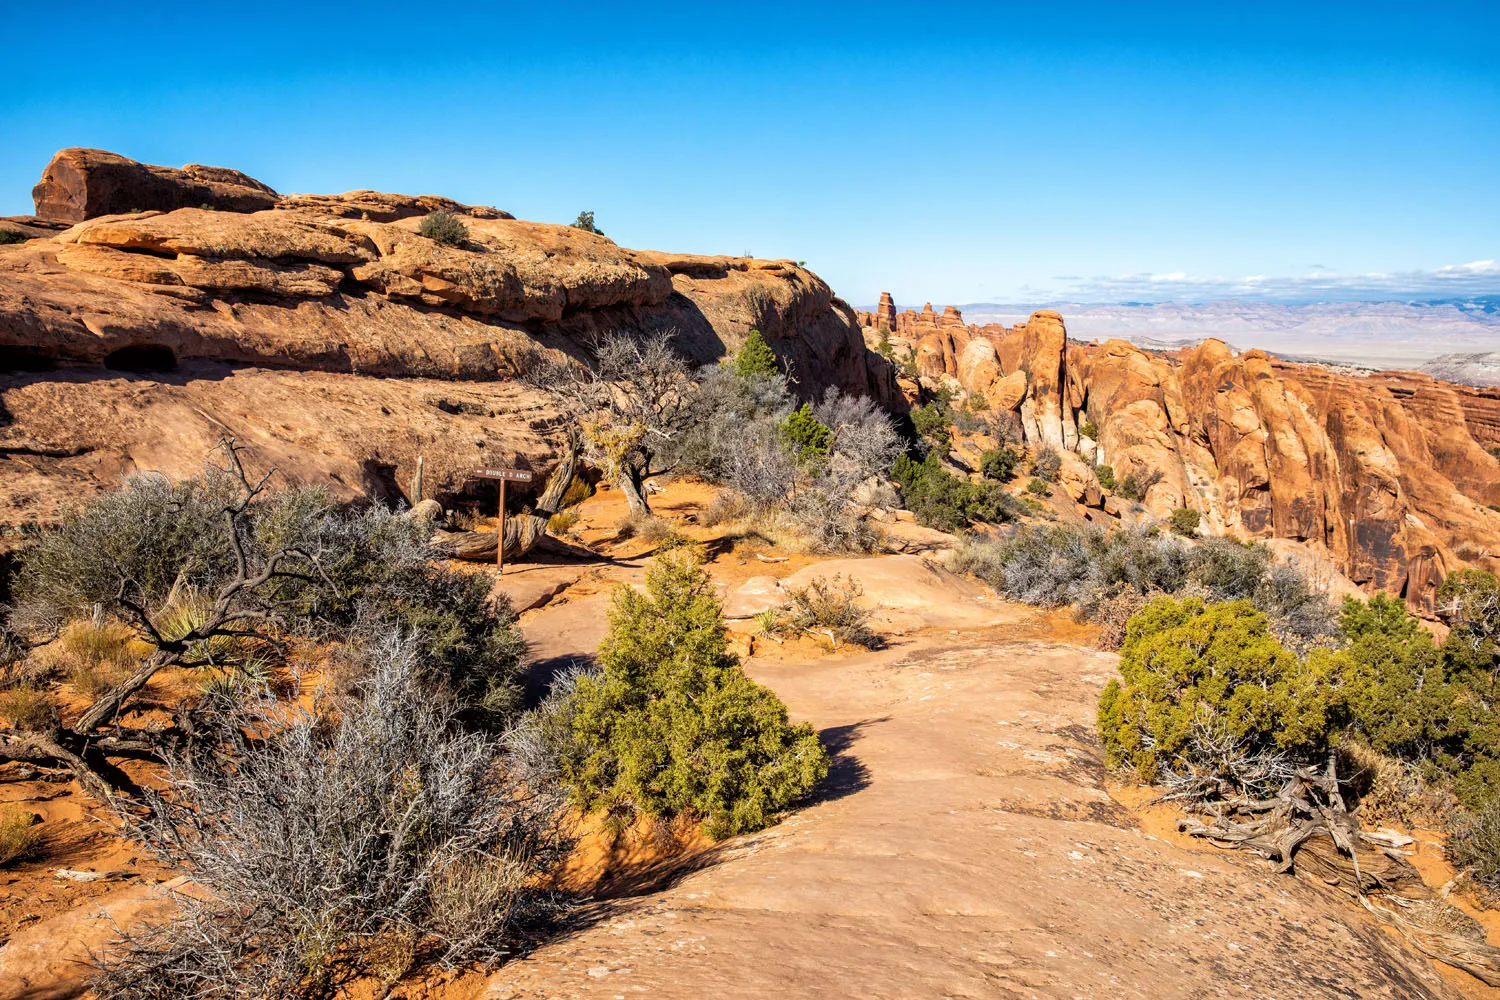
321, 840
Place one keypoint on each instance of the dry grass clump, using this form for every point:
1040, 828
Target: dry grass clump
469, 520
831, 608
29, 708
20, 837
93, 655
648, 528
726, 507
562, 522
579, 489
1393, 791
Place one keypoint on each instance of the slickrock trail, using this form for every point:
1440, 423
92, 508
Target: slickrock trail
964, 846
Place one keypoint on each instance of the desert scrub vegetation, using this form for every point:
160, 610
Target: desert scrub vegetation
347, 840
20, 837
1290, 754
392, 817
939, 499
931, 423
755, 360
644, 412
1000, 463
670, 726
1209, 698
1185, 521
1046, 464
94, 655
831, 608
219, 572
804, 465
1207, 687
1473, 847
1104, 574
445, 228
585, 221
1135, 487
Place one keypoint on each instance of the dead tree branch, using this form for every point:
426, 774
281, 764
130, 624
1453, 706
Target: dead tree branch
1307, 829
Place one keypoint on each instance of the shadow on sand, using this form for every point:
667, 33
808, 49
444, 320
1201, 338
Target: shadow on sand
847, 774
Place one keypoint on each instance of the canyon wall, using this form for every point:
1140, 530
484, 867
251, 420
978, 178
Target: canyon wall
1391, 475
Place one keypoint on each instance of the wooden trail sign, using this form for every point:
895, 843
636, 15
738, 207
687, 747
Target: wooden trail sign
504, 476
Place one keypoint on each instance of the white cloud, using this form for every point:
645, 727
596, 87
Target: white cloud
1472, 267
1475, 278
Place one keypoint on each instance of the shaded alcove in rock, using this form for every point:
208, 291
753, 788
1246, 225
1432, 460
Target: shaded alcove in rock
24, 359
140, 358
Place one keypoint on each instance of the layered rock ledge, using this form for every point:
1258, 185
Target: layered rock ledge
125, 308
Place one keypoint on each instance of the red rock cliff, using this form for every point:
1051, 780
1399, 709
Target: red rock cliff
1388, 474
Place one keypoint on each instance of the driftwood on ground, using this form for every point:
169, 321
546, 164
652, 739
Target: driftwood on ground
1307, 829
525, 531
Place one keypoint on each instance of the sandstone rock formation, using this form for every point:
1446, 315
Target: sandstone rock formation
1391, 477
132, 341
82, 184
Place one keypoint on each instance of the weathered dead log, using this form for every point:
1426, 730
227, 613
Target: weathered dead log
45, 750
1308, 830
523, 531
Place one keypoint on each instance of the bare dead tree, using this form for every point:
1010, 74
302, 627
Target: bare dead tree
629, 405
523, 532
244, 606
1306, 828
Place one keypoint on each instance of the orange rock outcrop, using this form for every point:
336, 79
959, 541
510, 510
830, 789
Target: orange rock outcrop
305, 326
1390, 475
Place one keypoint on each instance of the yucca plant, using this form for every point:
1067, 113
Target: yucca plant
770, 622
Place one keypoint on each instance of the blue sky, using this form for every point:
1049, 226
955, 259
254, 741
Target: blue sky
1090, 152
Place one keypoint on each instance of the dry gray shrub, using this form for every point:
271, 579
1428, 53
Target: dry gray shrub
832, 608
1474, 846
1112, 614
1097, 572
340, 842
736, 436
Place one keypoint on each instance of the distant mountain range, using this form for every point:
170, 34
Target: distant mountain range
1456, 339
1470, 369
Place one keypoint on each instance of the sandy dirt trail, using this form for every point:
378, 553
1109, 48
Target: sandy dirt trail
964, 846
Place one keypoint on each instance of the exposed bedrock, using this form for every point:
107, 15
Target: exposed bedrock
200, 290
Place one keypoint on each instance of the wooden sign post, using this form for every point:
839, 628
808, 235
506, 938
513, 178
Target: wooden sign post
504, 476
